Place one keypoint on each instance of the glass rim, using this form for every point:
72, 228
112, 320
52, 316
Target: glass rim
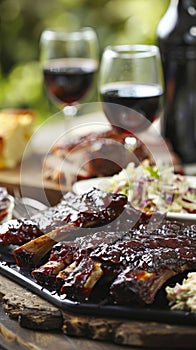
131, 51
63, 34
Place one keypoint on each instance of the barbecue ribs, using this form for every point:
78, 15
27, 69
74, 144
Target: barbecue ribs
128, 267
92, 155
99, 242
18, 231
92, 209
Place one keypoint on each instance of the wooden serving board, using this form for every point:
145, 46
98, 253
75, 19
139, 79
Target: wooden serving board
32, 312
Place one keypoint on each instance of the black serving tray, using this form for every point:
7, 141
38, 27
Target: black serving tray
157, 312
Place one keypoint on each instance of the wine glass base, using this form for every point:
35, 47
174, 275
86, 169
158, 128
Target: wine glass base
70, 111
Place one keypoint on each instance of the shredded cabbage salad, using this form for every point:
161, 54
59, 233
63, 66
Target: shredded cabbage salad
183, 296
151, 188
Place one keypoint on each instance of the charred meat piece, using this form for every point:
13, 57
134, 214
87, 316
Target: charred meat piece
81, 279
60, 257
137, 264
107, 157
31, 253
91, 208
167, 251
97, 154
137, 286
64, 253
140, 281
95, 208
133, 218
94, 205
85, 141
18, 232
91, 155
46, 274
60, 215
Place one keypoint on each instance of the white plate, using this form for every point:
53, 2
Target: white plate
85, 185
82, 186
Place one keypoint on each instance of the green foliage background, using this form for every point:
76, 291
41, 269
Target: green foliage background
21, 24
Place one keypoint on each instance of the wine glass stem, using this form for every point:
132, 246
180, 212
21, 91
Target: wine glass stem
70, 111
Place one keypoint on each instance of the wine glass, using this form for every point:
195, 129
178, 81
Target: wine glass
69, 62
131, 86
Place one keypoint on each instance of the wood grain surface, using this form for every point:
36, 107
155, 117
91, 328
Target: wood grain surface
30, 312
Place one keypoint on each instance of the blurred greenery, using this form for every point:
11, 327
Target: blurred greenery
21, 24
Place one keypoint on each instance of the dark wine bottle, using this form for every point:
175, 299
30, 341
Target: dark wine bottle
176, 36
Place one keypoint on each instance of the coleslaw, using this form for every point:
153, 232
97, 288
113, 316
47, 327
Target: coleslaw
183, 296
151, 188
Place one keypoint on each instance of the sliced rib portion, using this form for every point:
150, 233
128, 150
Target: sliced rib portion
95, 208
133, 268
64, 253
31, 253
91, 208
113, 230
18, 231
91, 155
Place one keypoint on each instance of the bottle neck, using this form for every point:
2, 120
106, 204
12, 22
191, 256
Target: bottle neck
178, 25
187, 21
185, 6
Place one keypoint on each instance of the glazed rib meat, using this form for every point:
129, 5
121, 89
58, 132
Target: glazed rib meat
131, 268
125, 254
18, 232
89, 209
94, 154
94, 208
120, 217
65, 253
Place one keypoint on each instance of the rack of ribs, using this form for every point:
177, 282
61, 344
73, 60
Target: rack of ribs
74, 215
93, 208
96, 154
65, 253
128, 267
92, 155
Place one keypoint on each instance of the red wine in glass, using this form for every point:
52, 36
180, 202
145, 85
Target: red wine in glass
131, 106
131, 86
69, 63
69, 80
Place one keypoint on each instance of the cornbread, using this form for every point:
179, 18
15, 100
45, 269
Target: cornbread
16, 127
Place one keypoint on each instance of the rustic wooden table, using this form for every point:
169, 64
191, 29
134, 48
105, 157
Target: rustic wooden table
14, 337
30, 322
17, 307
